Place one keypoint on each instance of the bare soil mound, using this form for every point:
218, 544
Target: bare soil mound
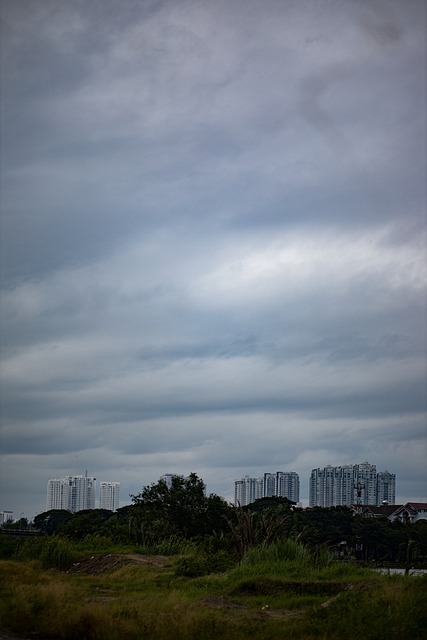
95, 565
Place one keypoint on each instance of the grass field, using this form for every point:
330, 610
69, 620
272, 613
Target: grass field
281, 591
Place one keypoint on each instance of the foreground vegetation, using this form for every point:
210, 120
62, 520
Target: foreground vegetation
280, 590
180, 564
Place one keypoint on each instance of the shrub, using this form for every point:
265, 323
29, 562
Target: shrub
53, 552
203, 564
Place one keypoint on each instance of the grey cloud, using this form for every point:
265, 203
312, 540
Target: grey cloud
212, 240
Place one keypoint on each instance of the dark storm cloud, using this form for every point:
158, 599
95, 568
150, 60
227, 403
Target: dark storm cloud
213, 257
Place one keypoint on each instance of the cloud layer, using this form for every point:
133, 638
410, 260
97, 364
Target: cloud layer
213, 241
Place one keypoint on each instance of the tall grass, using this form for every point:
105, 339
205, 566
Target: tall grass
277, 591
140, 602
169, 547
53, 552
285, 550
61, 553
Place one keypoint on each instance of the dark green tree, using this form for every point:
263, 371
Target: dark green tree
267, 504
51, 521
181, 510
85, 523
325, 526
419, 534
375, 536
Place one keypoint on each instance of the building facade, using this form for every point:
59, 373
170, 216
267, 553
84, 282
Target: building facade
247, 490
351, 484
386, 487
284, 484
109, 495
287, 485
6, 517
55, 494
72, 493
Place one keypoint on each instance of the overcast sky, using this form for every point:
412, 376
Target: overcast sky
213, 241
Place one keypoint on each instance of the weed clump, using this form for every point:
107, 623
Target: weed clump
203, 564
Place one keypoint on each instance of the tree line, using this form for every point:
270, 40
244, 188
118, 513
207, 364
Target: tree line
183, 511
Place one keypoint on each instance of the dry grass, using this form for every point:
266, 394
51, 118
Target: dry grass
264, 598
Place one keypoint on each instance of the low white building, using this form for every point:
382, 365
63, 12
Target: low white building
6, 517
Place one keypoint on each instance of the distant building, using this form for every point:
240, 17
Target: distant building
386, 487
412, 512
6, 517
269, 488
351, 484
365, 476
73, 493
325, 487
247, 490
55, 499
388, 511
407, 513
284, 484
287, 485
109, 495
167, 479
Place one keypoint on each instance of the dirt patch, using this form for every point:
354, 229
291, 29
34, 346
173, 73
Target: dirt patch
220, 602
95, 565
265, 586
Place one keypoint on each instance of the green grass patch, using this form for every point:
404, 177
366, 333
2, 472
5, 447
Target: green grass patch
280, 591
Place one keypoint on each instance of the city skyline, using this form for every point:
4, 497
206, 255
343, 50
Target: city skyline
338, 487
72, 493
212, 241
78, 493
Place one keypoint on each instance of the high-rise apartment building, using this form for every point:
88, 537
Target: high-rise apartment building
386, 487
247, 490
81, 493
287, 485
323, 484
269, 485
109, 495
55, 494
73, 493
284, 484
365, 479
350, 484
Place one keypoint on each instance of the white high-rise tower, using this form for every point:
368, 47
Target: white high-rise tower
351, 484
73, 493
386, 487
109, 495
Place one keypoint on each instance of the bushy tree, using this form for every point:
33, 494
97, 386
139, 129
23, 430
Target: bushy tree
181, 510
85, 523
51, 521
419, 534
325, 526
270, 503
